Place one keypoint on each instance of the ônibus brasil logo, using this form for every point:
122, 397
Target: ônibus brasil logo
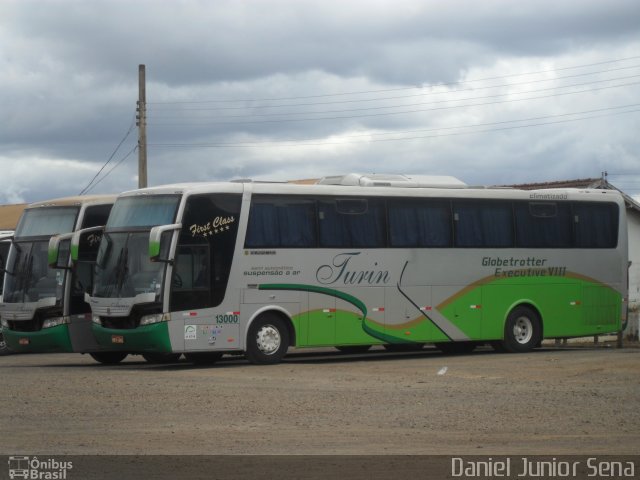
35, 469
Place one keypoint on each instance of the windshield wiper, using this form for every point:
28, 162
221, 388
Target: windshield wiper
122, 269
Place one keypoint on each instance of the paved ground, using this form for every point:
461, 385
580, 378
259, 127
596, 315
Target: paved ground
553, 401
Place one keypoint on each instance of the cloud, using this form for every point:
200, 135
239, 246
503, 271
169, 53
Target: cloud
273, 85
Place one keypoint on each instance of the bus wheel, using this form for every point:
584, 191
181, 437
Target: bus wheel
522, 331
353, 348
4, 349
161, 357
203, 358
267, 340
455, 348
109, 358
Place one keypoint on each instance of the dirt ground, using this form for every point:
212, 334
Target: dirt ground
553, 401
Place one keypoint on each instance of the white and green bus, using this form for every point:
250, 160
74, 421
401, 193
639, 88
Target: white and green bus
42, 309
213, 268
5, 243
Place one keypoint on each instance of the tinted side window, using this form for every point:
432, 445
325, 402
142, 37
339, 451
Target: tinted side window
419, 223
483, 224
596, 225
352, 223
281, 222
543, 224
205, 251
96, 216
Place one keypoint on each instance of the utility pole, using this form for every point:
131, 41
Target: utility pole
142, 127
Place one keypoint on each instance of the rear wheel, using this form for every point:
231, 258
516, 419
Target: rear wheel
109, 358
267, 340
161, 357
523, 330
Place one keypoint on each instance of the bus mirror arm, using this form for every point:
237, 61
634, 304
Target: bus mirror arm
158, 247
54, 259
78, 235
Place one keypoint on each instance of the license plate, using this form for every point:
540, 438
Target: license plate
23, 341
117, 339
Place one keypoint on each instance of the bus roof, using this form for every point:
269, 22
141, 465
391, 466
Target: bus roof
71, 201
377, 190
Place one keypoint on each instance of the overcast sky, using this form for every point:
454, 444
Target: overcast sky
491, 92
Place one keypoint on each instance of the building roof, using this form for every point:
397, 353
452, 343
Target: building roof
9, 215
580, 183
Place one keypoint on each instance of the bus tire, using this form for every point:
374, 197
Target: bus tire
108, 358
353, 348
203, 358
522, 331
4, 349
161, 357
267, 340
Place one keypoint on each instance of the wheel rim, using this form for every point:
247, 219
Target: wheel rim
3, 344
268, 339
522, 330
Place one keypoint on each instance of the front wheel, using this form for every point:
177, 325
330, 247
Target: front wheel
109, 358
523, 330
267, 340
4, 349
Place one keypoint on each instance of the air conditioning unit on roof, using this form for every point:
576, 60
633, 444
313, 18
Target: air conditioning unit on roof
387, 180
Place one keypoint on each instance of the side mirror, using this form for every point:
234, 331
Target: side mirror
85, 243
59, 249
160, 242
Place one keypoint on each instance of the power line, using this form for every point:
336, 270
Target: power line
436, 102
396, 89
322, 143
115, 166
422, 94
475, 125
88, 187
347, 117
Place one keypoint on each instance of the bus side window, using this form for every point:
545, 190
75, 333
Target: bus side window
595, 224
352, 223
543, 224
419, 223
483, 224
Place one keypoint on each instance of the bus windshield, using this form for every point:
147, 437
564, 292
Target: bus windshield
37, 222
137, 212
123, 268
29, 279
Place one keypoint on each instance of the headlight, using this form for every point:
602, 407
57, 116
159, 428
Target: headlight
155, 318
4, 323
96, 319
54, 322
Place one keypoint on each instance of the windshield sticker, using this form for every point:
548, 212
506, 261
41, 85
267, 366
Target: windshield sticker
190, 332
